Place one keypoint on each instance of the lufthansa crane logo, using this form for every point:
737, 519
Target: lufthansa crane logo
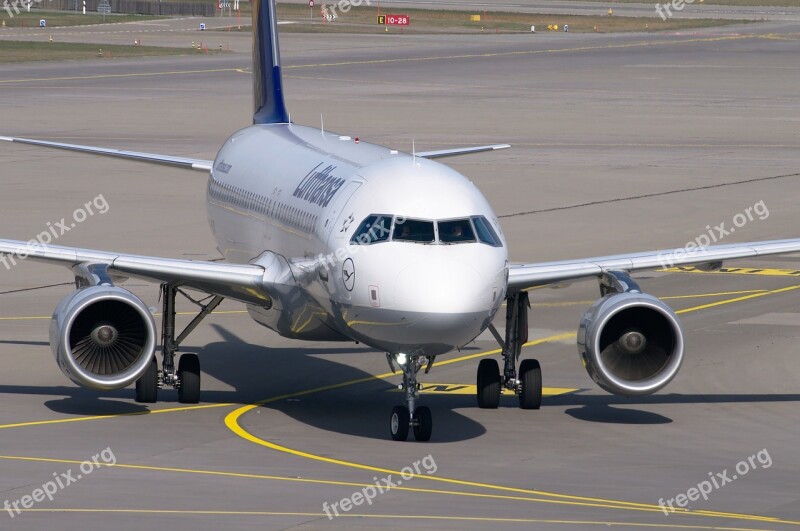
349, 274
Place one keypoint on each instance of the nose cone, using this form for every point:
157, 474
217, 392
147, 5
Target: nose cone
442, 286
443, 304
433, 299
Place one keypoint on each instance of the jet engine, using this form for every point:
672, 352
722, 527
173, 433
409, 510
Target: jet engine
103, 337
630, 343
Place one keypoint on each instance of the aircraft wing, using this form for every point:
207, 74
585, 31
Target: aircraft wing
205, 165
460, 151
255, 283
522, 276
167, 160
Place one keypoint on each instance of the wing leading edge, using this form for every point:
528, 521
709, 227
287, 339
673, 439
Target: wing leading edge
167, 160
460, 151
205, 165
522, 276
256, 283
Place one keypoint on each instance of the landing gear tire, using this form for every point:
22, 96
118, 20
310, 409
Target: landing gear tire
398, 423
147, 385
424, 424
530, 376
488, 384
189, 378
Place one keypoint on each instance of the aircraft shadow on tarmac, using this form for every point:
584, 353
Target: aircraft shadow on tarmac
360, 410
610, 415
256, 372
598, 408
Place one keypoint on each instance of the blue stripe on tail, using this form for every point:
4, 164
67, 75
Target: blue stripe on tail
267, 81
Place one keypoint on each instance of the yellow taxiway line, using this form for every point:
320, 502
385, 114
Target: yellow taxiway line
232, 421
530, 495
487, 519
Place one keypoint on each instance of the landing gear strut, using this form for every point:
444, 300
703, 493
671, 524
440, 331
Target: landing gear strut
527, 385
186, 379
419, 419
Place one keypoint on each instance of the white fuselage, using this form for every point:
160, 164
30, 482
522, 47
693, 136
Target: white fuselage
302, 194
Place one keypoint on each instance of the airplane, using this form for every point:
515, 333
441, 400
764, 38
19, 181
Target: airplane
326, 238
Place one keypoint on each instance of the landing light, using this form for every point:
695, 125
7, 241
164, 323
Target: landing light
401, 359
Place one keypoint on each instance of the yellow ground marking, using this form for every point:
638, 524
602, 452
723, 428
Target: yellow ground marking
719, 294
506, 520
231, 421
273, 399
762, 272
408, 59
111, 416
550, 339
468, 389
665, 298
536, 304
358, 485
737, 299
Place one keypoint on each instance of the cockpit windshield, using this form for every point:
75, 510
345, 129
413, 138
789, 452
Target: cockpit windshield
486, 233
378, 228
456, 231
413, 230
375, 228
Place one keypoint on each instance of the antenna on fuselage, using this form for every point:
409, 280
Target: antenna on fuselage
413, 153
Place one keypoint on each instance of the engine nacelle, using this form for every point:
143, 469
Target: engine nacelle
103, 337
630, 343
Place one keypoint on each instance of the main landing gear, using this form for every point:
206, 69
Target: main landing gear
527, 384
186, 379
403, 418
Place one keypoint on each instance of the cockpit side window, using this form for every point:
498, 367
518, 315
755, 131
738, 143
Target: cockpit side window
456, 231
374, 229
413, 230
486, 233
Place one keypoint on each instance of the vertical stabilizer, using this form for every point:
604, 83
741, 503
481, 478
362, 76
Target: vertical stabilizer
269, 107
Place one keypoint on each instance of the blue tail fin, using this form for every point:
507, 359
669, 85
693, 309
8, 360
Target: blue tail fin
267, 82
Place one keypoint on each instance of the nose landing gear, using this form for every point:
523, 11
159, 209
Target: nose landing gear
403, 418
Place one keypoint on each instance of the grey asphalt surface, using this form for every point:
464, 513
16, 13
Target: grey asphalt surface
621, 143
184, 32
695, 9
